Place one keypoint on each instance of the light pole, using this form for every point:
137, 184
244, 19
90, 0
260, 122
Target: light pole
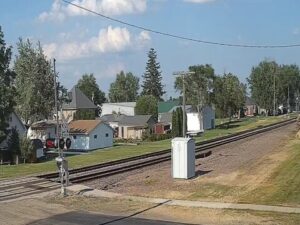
183, 74
274, 94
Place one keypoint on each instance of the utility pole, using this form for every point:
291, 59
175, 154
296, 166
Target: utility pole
183, 74
274, 97
288, 105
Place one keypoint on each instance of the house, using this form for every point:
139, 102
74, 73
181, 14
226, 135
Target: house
198, 124
251, 108
164, 124
124, 108
42, 130
14, 121
133, 127
79, 102
90, 134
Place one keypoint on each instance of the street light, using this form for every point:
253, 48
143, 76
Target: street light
183, 74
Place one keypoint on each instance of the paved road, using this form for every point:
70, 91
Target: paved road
84, 218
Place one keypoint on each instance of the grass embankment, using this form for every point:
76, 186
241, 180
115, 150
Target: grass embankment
119, 152
282, 187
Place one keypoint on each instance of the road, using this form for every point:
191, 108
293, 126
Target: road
84, 218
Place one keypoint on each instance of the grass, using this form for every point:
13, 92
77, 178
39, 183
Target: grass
120, 152
283, 185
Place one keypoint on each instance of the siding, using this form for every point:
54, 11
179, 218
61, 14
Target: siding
89, 142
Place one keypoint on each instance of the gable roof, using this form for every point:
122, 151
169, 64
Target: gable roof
165, 117
83, 126
79, 100
112, 118
123, 104
249, 101
164, 107
137, 120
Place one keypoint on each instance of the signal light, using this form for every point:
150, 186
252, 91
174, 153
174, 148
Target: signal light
61, 143
68, 143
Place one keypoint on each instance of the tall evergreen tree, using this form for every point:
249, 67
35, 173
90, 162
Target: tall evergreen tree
152, 77
7, 90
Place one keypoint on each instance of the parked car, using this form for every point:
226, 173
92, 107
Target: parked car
50, 143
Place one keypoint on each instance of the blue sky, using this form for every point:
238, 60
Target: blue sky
84, 43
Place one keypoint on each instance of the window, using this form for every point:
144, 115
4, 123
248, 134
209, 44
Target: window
95, 136
74, 136
106, 135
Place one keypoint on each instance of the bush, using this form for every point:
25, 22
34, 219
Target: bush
156, 137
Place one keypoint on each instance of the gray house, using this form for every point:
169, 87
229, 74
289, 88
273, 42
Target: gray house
79, 102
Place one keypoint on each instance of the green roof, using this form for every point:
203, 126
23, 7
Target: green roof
164, 107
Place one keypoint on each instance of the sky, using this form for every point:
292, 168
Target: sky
85, 43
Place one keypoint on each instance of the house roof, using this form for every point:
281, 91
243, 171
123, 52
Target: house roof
165, 117
43, 124
79, 100
123, 104
83, 126
137, 120
112, 118
164, 107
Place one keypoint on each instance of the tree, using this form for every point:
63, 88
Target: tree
27, 149
88, 85
125, 88
175, 129
34, 82
261, 83
198, 86
7, 89
146, 105
229, 94
152, 77
14, 145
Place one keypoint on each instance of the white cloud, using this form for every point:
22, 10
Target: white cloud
59, 12
109, 40
199, 1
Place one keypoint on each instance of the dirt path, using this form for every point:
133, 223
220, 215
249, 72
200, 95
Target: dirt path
231, 171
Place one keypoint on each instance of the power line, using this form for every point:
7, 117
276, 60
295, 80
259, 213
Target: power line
179, 36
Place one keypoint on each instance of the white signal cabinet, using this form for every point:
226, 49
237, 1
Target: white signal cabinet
183, 158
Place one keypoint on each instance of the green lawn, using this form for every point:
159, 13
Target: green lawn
120, 152
283, 185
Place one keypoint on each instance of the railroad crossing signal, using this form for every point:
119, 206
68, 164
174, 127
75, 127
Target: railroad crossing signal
65, 144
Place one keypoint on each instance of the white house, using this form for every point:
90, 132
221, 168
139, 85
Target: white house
125, 108
90, 134
42, 130
14, 121
205, 122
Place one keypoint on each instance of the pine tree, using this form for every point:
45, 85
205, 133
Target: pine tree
174, 124
7, 90
152, 77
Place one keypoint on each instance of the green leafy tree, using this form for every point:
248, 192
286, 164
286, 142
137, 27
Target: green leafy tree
34, 82
7, 89
288, 84
229, 95
125, 88
88, 85
27, 150
199, 85
261, 83
152, 77
83, 114
146, 105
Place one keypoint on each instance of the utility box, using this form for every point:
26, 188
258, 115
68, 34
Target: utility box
183, 158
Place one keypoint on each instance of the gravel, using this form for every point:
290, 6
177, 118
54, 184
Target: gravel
224, 160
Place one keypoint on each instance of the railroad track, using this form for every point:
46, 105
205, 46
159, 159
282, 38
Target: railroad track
25, 187
124, 165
